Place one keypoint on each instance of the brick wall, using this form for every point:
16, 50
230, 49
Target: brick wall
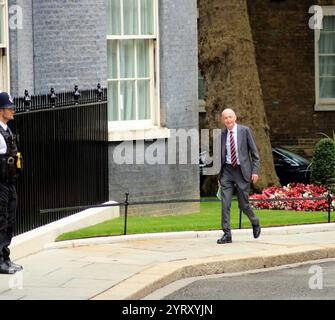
179, 109
21, 48
178, 64
285, 58
69, 47
154, 183
69, 44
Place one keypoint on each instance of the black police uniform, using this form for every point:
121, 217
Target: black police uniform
8, 197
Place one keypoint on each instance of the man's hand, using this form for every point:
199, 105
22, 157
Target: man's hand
254, 178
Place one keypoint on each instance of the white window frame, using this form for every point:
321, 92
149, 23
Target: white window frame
137, 129
321, 104
4, 59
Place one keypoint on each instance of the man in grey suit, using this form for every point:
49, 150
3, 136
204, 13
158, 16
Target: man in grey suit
239, 165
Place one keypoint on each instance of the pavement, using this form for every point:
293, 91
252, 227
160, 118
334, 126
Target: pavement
134, 266
314, 280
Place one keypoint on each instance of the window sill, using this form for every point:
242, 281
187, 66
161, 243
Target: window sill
117, 134
324, 107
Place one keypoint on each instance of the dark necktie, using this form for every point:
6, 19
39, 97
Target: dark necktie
233, 158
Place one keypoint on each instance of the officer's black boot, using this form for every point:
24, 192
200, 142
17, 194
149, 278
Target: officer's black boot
5, 254
11, 264
5, 268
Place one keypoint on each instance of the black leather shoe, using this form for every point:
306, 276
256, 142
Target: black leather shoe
11, 264
225, 239
5, 269
256, 230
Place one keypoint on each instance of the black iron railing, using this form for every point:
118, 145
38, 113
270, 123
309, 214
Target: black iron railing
128, 203
55, 99
63, 140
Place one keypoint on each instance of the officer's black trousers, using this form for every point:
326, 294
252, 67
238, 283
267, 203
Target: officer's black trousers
8, 202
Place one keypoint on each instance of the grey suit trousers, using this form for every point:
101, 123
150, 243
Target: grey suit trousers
229, 177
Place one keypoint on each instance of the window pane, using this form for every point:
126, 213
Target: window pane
143, 69
147, 17
128, 103
112, 59
130, 14
201, 86
127, 59
327, 88
113, 17
143, 99
327, 35
327, 66
327, 43
328, 23
113, 101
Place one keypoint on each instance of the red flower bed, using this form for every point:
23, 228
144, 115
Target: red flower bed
294, 190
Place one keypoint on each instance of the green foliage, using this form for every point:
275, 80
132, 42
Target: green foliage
323, 163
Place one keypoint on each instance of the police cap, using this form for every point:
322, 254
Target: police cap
6, 101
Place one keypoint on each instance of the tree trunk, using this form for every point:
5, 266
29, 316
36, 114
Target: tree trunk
228, 63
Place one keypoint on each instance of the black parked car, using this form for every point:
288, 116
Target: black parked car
290, 167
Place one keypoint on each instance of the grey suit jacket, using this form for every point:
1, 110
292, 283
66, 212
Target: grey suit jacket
247, 152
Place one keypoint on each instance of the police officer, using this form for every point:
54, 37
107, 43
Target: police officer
8, 173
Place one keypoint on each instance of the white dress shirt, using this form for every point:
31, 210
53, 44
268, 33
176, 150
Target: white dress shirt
228, 156
3, 145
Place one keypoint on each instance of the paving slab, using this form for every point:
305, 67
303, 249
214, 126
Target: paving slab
135, 266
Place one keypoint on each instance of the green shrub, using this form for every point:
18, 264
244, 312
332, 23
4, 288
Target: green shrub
323, 163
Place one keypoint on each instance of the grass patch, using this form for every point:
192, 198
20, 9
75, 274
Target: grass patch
209, 218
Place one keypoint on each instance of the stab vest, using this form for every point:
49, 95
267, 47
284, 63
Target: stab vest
8, 161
